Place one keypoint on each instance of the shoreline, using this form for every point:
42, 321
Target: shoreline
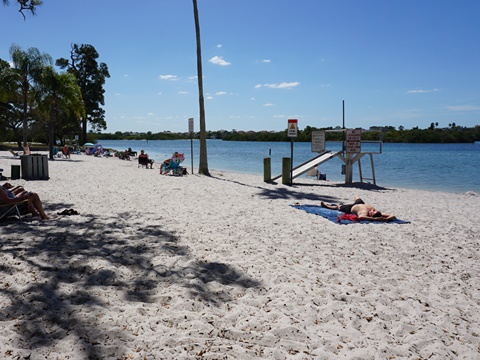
222, 266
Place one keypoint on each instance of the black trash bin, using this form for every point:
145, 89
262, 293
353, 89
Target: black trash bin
15, 174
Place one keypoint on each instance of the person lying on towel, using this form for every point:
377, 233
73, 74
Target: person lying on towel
362, 210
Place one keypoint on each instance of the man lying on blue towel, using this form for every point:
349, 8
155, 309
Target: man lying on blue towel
361, 210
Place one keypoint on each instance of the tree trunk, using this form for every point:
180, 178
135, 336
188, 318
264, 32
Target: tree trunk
84, 130
203, 165
25, 123
51, 135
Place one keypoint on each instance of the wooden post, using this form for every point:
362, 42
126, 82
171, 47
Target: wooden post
267, 170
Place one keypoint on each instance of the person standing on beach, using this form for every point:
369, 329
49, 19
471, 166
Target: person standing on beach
361, 209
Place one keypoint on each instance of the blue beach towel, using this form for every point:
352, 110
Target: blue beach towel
333, 215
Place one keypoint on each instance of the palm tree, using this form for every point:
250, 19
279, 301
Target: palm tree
203, 165
58, 93
28, 66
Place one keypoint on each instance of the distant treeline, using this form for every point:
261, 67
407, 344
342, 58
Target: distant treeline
455, 134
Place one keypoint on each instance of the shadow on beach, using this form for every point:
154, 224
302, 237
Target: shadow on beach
293, 193
67, 269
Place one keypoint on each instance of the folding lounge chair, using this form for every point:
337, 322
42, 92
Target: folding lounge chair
174, 165
15, 154
16, 209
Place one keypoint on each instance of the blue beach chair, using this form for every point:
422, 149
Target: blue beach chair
172, 165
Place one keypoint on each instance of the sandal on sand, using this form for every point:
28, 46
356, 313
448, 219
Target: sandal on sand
68, 212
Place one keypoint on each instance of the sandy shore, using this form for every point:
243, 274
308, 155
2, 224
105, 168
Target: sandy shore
221, 267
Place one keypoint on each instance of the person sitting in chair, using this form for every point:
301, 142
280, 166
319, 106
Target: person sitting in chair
145, 158
34, 204
131, 152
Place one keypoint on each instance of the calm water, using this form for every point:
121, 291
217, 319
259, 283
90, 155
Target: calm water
438, 167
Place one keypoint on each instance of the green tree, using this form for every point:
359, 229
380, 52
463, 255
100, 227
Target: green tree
58, 93
203, 165
10, 105
27, 66
90, 78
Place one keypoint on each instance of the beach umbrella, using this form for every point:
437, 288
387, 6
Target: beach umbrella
88, 144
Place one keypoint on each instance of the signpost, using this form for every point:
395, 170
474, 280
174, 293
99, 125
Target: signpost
292, 131
190, 129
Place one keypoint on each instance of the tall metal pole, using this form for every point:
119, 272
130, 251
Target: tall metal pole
343, 125
190, 128
291, 161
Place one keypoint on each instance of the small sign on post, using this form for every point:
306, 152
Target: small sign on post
318, 141
292, 127
354, 141
292, 133
190, 125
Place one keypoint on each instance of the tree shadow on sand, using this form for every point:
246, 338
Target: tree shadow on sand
64, 271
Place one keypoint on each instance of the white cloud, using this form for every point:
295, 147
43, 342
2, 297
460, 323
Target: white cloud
464, 108
283, 85
218, 60
209, 97
268, 104
221, 93
267, 61
420, 91
183, 92
219, 46
168, 77
150, 114
258, 86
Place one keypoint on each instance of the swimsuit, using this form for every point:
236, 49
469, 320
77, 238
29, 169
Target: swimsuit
9, 194
348, 208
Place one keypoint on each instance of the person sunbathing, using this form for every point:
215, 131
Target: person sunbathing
361, 209
17, 194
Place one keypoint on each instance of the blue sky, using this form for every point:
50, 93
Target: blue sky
400, 63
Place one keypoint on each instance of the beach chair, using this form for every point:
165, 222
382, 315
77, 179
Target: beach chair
16, 209
144, 161
173, 165
15, 154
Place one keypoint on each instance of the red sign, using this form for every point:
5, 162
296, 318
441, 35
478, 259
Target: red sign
292, 127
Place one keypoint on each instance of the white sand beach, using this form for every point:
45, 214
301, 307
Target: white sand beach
222, 267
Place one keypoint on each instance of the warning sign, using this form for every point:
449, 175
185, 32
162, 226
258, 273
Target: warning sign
354, 141
292, 127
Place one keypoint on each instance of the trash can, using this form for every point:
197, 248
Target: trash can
15, 174
34, 167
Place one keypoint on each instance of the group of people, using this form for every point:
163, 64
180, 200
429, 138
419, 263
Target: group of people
10, 194
164, 168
